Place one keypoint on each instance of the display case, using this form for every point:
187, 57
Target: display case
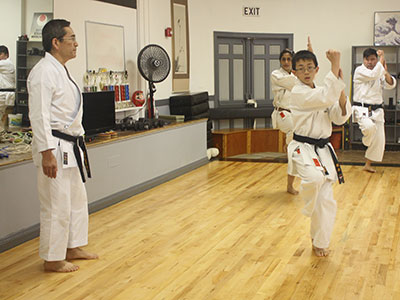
391, 98
28, 54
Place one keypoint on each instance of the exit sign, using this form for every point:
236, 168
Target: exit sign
249, 11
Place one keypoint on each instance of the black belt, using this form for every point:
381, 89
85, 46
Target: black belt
320, 143
370, 106
282, 109
78, 142
7, 90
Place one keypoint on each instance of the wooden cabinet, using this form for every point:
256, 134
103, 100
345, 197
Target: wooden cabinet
232, 142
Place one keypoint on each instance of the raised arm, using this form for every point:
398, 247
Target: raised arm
388, 77
334, 57
284, 81
309, 46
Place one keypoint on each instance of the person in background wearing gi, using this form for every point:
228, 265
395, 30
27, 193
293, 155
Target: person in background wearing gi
312, 157
282, 82
369, 81
7, 82
55, 113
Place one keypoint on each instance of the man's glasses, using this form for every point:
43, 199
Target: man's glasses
68, 38
308, 69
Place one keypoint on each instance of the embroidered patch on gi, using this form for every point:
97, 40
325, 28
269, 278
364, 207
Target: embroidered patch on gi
282, 114
298, 150
65, 156
316, 162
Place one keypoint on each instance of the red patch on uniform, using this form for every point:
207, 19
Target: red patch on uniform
282, 114
316, 162
298, 150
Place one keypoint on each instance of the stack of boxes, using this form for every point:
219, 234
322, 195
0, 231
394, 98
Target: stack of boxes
193, 107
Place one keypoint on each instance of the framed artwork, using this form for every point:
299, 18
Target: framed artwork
387, 28
180, 39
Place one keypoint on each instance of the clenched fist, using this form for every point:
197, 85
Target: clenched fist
333, 56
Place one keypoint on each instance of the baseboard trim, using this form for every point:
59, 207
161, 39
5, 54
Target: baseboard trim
32, 232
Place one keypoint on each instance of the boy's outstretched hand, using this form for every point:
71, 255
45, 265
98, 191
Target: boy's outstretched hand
334, 57
309, 46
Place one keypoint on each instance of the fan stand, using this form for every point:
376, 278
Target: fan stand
151, 100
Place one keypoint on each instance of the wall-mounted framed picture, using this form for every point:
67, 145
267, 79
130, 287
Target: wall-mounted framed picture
387, 28
180, 39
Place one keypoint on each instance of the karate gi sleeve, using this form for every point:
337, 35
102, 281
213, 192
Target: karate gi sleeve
304, 98
335, 113
388, 86
3, 66
284, 81
363, 74
40, 87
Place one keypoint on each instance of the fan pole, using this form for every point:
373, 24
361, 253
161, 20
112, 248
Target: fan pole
151, 104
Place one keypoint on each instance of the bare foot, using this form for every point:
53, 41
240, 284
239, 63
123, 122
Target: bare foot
292, 190
290, 187
369, 169
78, 253
320, 252
61, 266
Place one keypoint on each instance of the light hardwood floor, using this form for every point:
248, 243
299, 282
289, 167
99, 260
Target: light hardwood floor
228, 230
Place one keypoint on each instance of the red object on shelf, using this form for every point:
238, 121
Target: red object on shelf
168, 32
138, 98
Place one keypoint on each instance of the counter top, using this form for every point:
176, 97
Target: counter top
122, 135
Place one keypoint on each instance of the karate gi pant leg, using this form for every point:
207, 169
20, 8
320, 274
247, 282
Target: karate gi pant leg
63, 213
368, 130
319, 204
376, 148
284, 123
3, 117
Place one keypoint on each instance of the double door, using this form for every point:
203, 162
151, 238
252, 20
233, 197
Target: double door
243, 64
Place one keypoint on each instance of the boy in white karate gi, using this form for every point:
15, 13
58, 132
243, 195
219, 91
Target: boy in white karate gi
310, 153
369, 81
55, 113
282, 82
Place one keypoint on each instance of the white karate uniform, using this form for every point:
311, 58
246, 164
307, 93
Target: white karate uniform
281, 84
368, 88
313, 111
55, 103
7, 81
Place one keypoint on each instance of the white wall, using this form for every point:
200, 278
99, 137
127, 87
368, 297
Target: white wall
10, 24
79, 11
339, 25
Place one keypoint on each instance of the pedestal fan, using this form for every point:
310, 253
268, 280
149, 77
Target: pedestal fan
154, 65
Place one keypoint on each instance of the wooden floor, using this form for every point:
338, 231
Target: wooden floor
228, 230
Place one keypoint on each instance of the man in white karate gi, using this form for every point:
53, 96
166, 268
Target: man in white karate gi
369, 81
310, 153
7, 84
55, 113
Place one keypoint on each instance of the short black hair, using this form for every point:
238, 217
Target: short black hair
287, 50
369, 51
53, 29
4, 49
304, 55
